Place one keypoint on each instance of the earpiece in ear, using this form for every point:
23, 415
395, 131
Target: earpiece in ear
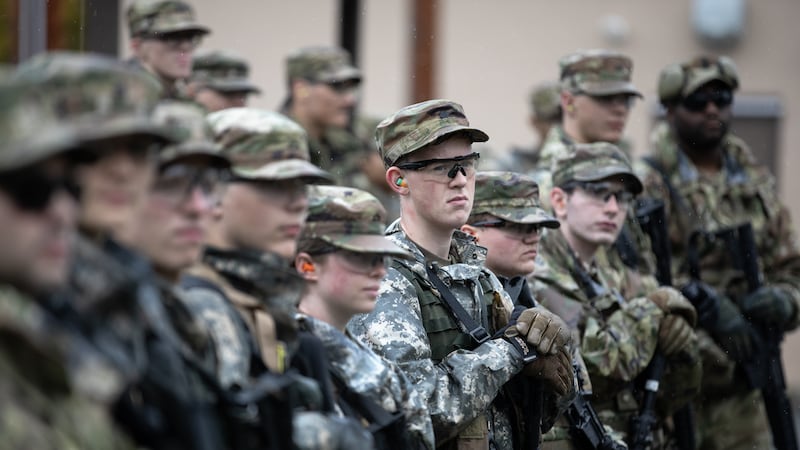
307, 267
401, 182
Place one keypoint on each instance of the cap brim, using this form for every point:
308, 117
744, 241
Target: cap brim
698, 82
124, 127
600, 88
285, 170
368, 243
182, 27
630, 180
343, 74
57, 141
530, 215
233, 86
193, 149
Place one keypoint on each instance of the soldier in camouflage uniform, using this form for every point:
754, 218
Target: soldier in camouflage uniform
219, 80
427, 152
343, 255
709, 181
323, 92
596, 98
261, 210
243, 289
173, 223
622, 319
506, 219
128, 340
545, 103
41, 405
163, 36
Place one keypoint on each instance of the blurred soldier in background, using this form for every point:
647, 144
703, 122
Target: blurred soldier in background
219, 80
545, 105
164, 34
372, 176
343, 255
710, 183
323, 93
42, 406
427, 152
261, 210
622, 319
596, 98
243, 288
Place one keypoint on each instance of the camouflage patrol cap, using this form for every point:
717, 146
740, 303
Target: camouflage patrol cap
186, 121
546, 101
264, 145
222, 71
421, 124
594, 162
321, 65
677, 81
510, 196
154, 17
350, 219
89, 97
597, 72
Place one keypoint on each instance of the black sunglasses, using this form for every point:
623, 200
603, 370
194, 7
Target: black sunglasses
460, 164
32, 190
698, 100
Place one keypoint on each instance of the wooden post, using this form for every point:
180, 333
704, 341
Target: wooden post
423, 57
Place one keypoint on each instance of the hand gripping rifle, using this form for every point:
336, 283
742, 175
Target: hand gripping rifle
765, 370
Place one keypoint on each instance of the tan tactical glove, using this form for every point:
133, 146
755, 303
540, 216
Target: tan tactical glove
675, 335
541, 329
555, 371
671, 301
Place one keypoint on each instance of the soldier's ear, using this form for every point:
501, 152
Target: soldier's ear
305, 266
470, 230
558, 201
396, 181
567, 102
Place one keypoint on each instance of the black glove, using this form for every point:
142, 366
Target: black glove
732, 332
770, 305
705, 300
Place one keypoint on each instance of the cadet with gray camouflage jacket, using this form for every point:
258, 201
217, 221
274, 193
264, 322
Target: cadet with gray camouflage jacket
442, 316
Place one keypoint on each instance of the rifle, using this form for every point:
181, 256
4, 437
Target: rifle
586, 429
765, 371
652, 218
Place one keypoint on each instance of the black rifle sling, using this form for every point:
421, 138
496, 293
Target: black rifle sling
465, 321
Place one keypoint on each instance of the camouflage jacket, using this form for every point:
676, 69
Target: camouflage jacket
741, 192
618, 337
374, 377
144, 335
40, 406
463, 385
247, 303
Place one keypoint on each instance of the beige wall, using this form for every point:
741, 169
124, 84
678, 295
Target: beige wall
492, 52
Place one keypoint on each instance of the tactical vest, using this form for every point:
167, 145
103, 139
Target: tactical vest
444, 334
259, 323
